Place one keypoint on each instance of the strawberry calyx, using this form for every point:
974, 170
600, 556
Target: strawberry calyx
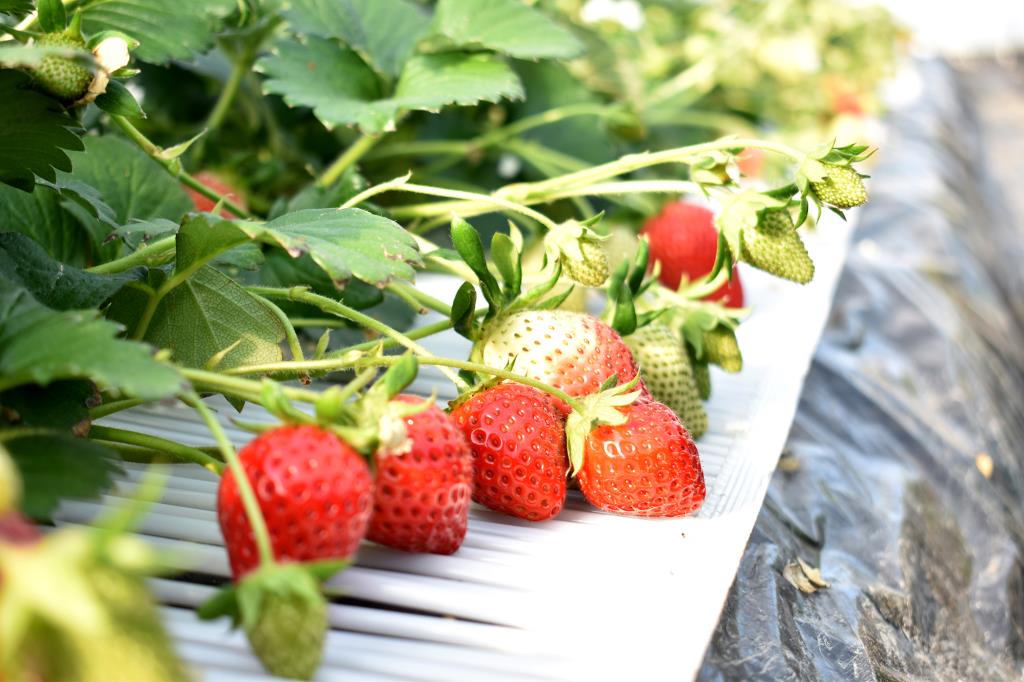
591, 411
579, 250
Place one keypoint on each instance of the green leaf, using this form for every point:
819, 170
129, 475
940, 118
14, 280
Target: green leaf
383, 32
341, 90
507, 26
137, 232
61, 405
41, 216
83, 201
134, 186
56, 285
204, 316
52, 16
56, 465
40, 345
119, 101
165, 30
346, 243
35, 133
15, 7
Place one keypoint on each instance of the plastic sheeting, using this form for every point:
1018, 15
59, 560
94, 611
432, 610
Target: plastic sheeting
903, 478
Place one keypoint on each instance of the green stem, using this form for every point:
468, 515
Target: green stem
355, 152
289, 329
463, 199
114, 406
317, 322
241, 388
336, 364
421, 148
418, 333
419, 299
249, 501
173, 166
145, 440
227, 96
150, 254
333, 307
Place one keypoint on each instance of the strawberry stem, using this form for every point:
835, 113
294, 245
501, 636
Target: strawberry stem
332, 307
145, 440
249, 501
385, 361
173, 166
353, 153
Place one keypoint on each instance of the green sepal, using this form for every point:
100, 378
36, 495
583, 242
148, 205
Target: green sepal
635, 280
556, 300
528, 299
274, 400
624, 316
508, 260
322, 344
51, 15
802, 216
463, 315
399, 375
467, 242
723, 258
596, 410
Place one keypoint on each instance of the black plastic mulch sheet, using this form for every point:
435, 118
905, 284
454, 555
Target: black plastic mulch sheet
903, 478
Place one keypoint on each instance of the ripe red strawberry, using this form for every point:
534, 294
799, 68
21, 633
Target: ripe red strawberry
517, 436
315, 492
647, 466
571, 351
218, 185
421, 498
684, 239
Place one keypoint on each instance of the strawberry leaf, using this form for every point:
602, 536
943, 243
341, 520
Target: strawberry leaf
35, 133
41, 216
507, 26
15, 8
165, 30
56, 465
209, 316
59, 286
39, 345
383, 32
342, 90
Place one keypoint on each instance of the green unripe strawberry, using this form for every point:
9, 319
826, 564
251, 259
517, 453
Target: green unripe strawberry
774, 246
665, 369
841, 187
721, 348
285, 618
58, 76
592, 269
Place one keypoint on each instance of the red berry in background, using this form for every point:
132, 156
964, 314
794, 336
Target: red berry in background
421, 495
218, 185
684, 239
315, 492
647, 466
517, 436
750, 162
15, 529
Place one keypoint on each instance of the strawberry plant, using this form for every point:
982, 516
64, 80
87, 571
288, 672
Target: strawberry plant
236, 198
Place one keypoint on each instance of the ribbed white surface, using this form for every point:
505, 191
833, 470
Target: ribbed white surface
586, 596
